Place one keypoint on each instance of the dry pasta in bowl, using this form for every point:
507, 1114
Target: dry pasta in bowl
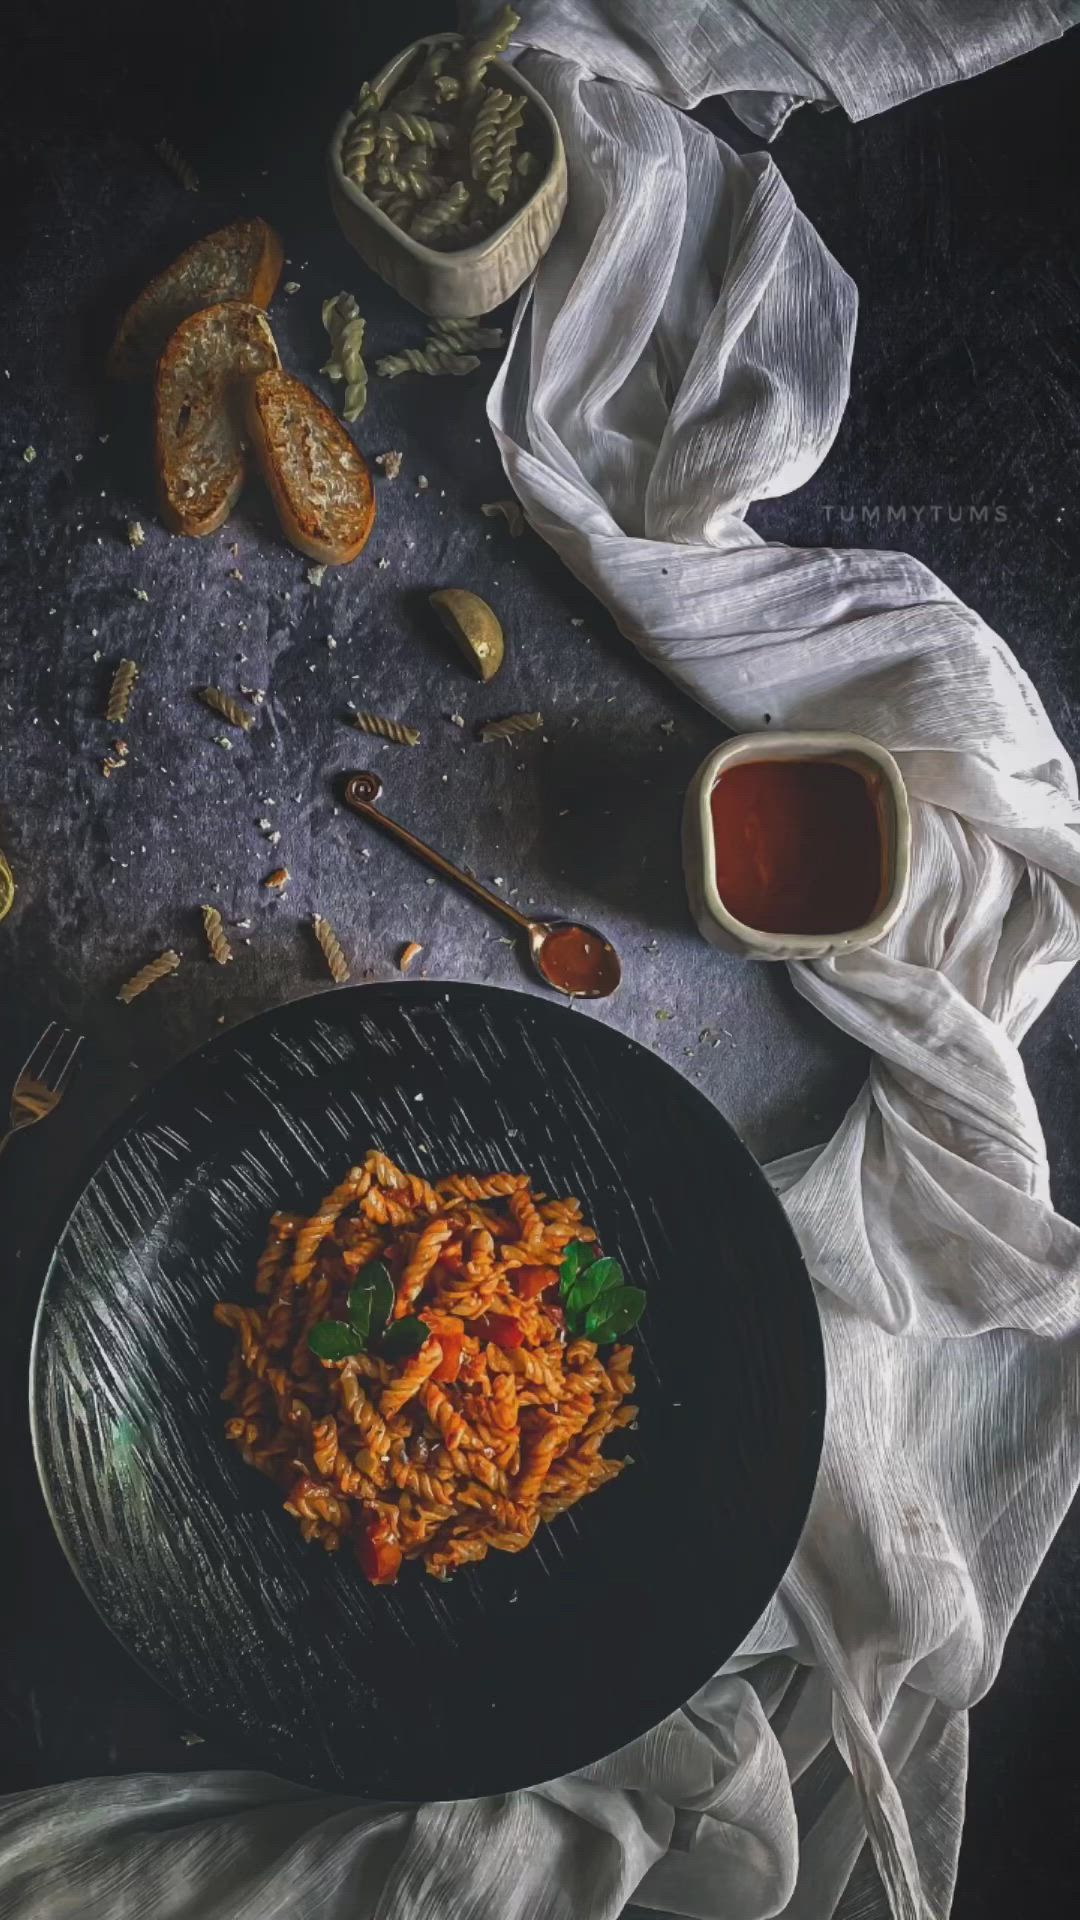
430, 1370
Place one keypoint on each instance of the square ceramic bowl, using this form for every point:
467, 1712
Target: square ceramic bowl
472, 280
719, 926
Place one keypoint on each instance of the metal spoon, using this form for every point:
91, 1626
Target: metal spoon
572, 958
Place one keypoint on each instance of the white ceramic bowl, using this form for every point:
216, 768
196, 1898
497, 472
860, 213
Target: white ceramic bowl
720, 927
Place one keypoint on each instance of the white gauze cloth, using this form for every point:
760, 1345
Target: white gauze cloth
684, 351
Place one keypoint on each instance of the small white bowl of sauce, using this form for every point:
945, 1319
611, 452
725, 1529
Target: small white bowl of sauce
797, 845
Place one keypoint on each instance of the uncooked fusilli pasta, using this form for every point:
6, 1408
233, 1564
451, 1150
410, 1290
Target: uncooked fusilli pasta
484, 128
436, 1405
331, 946
345, 324
155, 970
121, 690
467, 336
442, 211
234, 711
479, 56
416, 152
414, 127
216, 939
500, 171
393, 730
514, 723
433, 358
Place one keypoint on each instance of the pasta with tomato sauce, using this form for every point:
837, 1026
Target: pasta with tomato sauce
413, 1374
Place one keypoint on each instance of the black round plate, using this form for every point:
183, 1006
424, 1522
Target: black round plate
528, 1665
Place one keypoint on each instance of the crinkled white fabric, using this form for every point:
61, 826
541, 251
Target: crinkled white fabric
768, 56
949, 1289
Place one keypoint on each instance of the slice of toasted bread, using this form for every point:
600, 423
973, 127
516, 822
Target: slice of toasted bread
319, 481
241, 262
199, 442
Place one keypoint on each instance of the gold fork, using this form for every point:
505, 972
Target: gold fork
43, 1079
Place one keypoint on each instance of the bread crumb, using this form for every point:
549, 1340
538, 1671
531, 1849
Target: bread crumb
409, 953
383, 564
422, 482
30, 454
389, 464
278, 879
140, 593
316, 574
135, 533
291, 286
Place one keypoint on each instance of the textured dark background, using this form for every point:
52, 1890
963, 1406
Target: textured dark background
956, 217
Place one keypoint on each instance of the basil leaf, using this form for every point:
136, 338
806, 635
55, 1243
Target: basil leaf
360, 1313
333, 1340
371, 1301
576, 1256
405, 1337
614, 1313
598, 1278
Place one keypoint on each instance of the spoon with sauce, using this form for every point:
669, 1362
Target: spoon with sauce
574, 959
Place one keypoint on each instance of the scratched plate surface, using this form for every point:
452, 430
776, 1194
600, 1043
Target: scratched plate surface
530, 1664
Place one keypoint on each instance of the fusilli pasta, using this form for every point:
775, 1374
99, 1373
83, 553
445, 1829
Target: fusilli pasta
154, 970
393, 730
479, 56
433, 358
461, 1438
121, 689
331, 946
345, 324
415, 153
216, 939
230, 709
514, 723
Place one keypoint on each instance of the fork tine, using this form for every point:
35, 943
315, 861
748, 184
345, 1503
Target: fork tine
61, 1078
30, 1065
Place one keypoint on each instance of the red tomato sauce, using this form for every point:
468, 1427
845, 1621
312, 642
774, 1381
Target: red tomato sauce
578, 961
798, 845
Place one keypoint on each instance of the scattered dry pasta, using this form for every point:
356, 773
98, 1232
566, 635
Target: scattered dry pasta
434, 357
407, 1378
120, 691
345, 324
216, 938
512, 725
234, 711
393, 730
332, 951
155, 970
467, 336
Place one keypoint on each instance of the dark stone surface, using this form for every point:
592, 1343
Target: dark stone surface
953, 216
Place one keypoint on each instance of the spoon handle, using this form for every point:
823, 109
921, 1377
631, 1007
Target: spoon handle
357, 793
